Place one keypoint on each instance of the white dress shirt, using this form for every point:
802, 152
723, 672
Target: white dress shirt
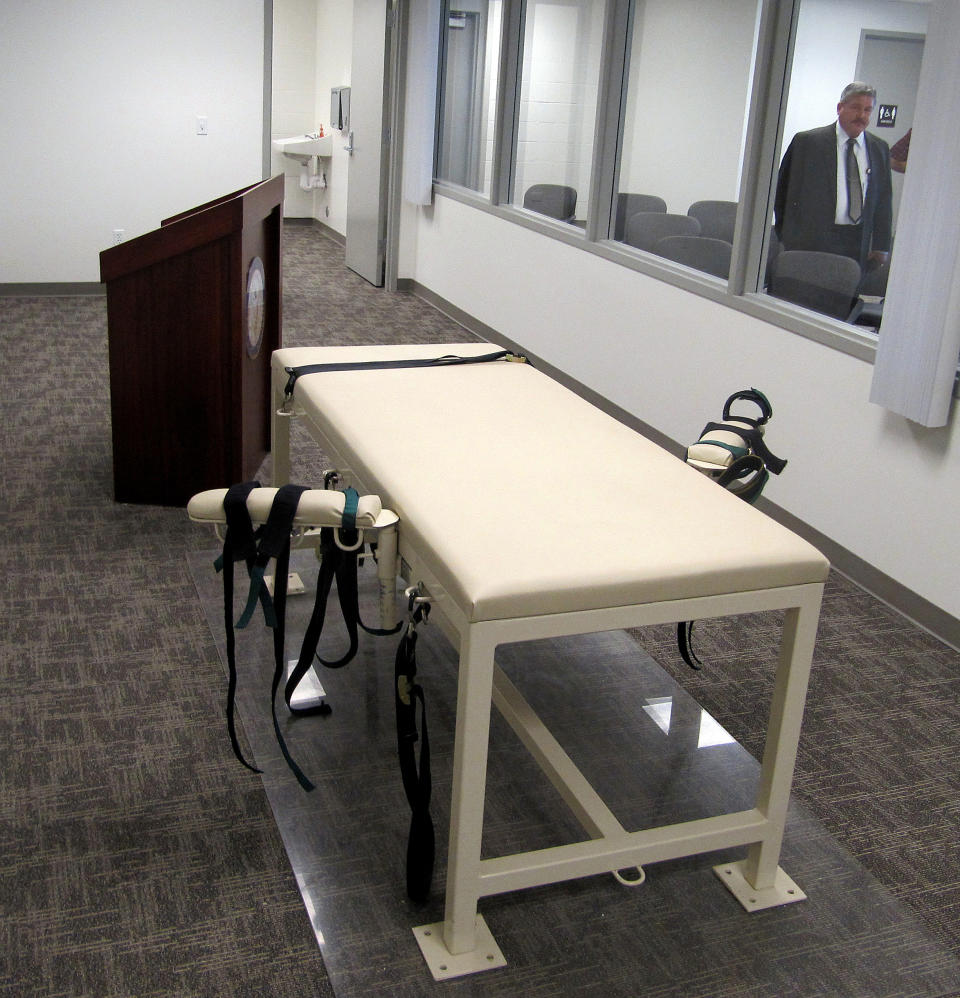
860, 151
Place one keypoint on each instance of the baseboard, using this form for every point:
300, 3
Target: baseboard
337, 237
917, 609
888, 590
52, 289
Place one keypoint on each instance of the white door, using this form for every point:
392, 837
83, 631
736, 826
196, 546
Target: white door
368, 141
891, 62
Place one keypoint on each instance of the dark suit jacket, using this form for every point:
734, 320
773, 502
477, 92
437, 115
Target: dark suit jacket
805, 205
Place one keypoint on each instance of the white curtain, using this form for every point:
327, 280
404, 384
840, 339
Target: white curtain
920, 334
420, 106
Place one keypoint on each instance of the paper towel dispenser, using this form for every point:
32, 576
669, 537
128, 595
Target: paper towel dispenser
340, 108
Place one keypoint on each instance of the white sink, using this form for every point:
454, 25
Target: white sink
301, 147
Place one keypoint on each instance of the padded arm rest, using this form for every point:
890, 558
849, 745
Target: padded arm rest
317, 508
708, 453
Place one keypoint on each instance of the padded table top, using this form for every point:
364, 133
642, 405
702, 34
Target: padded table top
526, 499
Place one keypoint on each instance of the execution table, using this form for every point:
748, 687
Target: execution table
524, 513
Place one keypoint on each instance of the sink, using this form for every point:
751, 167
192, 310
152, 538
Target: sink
303, 146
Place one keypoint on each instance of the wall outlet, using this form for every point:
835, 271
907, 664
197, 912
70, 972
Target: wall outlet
117, 236
201, 124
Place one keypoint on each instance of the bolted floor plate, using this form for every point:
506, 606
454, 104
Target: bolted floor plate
309, 692
444, 965
784, 890
295, 586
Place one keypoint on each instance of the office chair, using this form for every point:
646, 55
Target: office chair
717, 218
824, 282
630, 204
554, 200
645, 229
712, 256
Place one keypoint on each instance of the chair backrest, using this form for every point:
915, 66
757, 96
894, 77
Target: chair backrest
717, 218
555, 200
645, 229
630, 204
712, 256
824, 282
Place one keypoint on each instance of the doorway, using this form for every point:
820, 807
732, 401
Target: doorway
461, 113
369, 139
890, 62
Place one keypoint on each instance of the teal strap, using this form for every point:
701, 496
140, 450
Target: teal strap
351, 502
735, 451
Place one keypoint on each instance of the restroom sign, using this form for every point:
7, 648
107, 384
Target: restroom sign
887, 115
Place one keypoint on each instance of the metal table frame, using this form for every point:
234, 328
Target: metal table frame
462, 944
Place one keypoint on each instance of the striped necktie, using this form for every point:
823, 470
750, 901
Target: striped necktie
854, 187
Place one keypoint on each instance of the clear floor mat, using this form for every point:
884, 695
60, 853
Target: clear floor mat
649, 750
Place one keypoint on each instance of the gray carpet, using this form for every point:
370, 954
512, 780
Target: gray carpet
140, 859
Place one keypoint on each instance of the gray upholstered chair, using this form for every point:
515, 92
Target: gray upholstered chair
717, 218
712, 256
645, 229
824, 282
630, 204
555, 200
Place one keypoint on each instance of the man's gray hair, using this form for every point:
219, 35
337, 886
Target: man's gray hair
857, 88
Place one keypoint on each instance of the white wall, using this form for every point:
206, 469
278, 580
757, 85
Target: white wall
311, 54
876, 484
828, 39
558, 100
690, 72
98, 122
294, 110
334, 56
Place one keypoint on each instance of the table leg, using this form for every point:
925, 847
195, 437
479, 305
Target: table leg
783, 735
474, 693
280, 439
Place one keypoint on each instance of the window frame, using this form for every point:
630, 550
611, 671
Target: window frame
775, 42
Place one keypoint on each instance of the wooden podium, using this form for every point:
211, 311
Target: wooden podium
193, 315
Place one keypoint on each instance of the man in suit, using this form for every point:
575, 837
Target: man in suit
834, 192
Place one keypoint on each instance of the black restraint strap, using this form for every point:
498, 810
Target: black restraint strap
736, 478
256, 547
341, 566
274, 536
744, 478
421, 845
750, 395
239, 543
448, 360
685, 644
277, 539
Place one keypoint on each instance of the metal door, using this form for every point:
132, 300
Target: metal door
368, 140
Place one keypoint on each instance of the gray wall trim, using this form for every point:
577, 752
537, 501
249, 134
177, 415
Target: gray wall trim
267, 159
52, 289
898, 597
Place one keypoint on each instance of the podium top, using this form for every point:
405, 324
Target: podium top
190, 229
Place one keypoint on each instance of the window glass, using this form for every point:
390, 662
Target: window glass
471, 58
681, 152
834, 226
558, 107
